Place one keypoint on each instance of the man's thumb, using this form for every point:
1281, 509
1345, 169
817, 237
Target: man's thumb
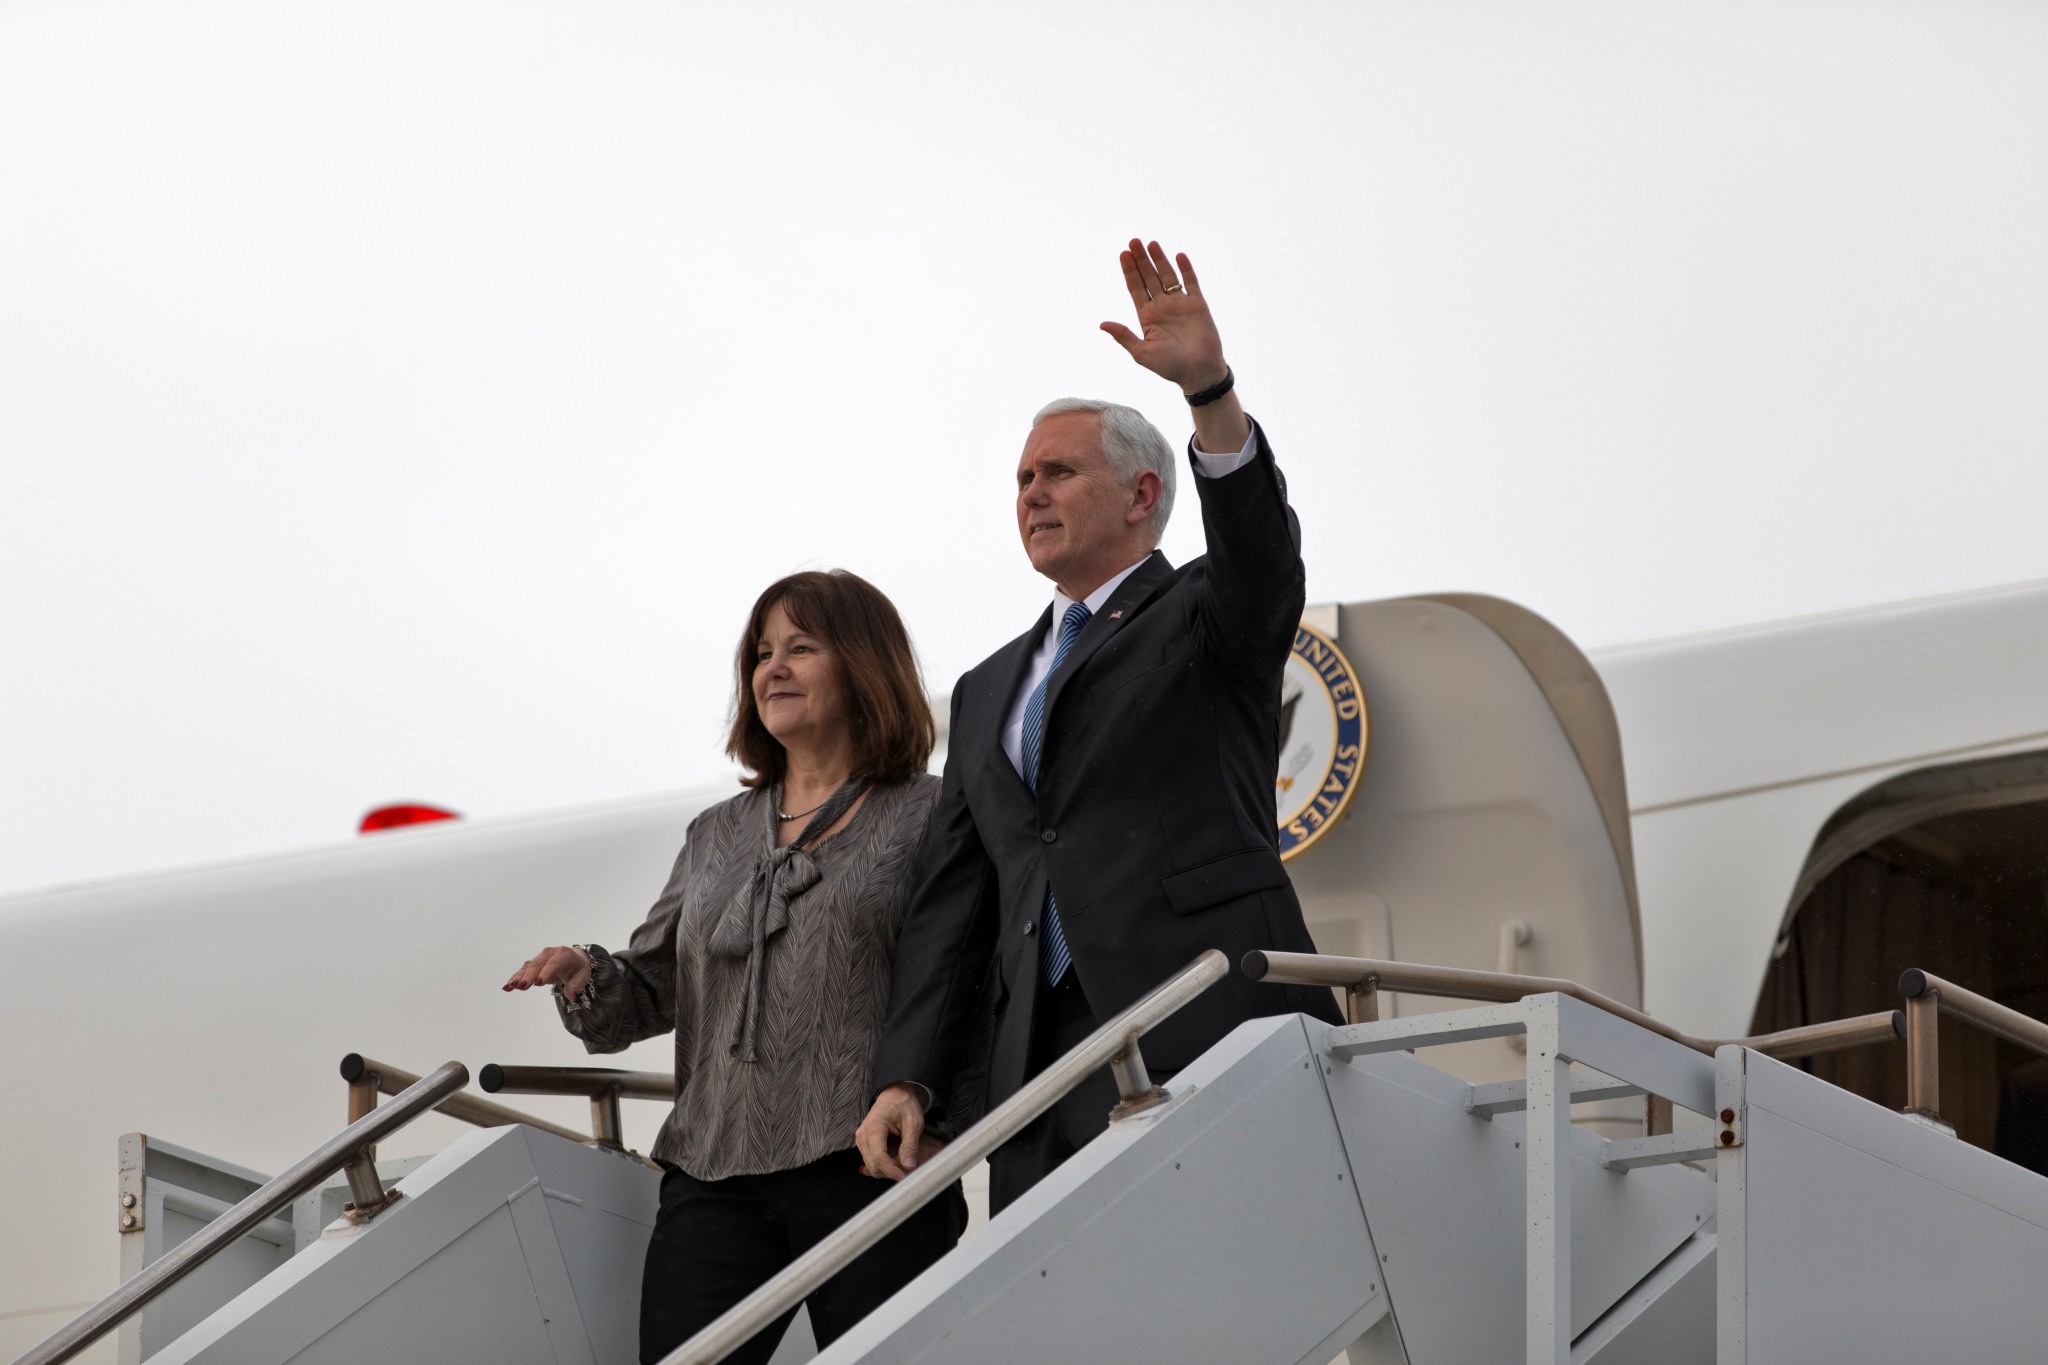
1122, 335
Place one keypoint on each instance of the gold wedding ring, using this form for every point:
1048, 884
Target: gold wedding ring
1173, 289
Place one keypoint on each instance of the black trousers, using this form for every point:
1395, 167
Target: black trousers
717, 1241
1059, 1021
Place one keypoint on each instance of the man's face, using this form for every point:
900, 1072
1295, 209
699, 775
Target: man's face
1072, 515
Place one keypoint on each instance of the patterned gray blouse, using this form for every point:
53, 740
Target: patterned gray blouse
772, 968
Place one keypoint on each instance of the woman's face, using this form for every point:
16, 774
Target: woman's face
799, 688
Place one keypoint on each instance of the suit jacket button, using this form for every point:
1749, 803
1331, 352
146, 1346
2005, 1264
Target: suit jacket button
1027, 928
1046, 836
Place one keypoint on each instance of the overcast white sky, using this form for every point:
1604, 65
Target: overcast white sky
406, 400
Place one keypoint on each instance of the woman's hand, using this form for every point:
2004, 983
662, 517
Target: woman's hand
566, 967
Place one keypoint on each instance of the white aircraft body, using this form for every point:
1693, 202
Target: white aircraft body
1648, 823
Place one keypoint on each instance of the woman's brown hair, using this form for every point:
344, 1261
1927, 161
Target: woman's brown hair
891, 720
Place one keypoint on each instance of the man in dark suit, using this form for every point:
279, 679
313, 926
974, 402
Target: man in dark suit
1108, 808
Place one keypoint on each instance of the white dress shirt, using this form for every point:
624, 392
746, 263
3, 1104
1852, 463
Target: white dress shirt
1207, 466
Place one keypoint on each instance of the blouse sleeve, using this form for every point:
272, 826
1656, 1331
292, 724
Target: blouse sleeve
631, 995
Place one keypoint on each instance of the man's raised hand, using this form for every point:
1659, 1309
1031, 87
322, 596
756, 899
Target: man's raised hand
1179, 341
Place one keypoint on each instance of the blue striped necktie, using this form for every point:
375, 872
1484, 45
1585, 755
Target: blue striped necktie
1053, 956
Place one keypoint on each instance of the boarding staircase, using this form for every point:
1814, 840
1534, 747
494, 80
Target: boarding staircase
1302, 1193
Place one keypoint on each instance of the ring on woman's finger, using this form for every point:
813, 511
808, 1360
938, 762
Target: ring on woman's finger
1173, 289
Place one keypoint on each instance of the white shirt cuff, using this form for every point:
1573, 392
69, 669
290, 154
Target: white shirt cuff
1216, 466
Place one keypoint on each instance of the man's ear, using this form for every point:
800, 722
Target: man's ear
1145, 491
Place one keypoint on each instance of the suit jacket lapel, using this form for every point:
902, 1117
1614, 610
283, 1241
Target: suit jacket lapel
1143, 584
1005, 670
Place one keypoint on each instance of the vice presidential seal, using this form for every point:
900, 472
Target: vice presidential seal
1322, 740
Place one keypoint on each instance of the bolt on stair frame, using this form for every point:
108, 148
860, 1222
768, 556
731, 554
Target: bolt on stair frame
345, 1150
604, 1086
1928, 997
1362, 978
1115, 1045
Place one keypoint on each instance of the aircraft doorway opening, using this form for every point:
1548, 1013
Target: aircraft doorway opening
1944, 869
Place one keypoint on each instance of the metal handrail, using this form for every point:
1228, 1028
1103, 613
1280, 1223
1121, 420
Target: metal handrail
1114, 1044
604, 1086
1928, 997
346, 1148
1362, 978
367, 1078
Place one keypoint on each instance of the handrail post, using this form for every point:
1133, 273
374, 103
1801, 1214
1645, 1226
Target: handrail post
607, 1124
1134, 1083
363, 1091
362, 1095
1923, 1044
365, 1085
1923, 1055
1362, 1001
371, 1198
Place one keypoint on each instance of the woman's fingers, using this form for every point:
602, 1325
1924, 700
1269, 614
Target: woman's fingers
1187, 275
549, 967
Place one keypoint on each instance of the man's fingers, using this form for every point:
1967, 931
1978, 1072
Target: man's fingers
1187, 275
913, 1133
1122, 335
1139, 298
1148, 270
1168, 281
872, 1139
863, 1144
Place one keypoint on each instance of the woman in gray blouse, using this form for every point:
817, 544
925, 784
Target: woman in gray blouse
768, 955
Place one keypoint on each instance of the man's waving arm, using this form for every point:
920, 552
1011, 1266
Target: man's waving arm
1255, 586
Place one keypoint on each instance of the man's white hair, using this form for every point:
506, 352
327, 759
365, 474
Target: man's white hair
1132, 445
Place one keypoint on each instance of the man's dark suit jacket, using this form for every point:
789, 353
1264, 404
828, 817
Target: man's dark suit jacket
1153, 819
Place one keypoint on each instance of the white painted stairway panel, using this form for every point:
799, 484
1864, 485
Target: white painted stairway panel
512, 1246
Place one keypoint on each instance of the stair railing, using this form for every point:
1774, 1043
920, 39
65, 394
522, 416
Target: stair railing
368, 1078
604, 1086
1928, 997
1363, 978
1114, 1045
351, 1149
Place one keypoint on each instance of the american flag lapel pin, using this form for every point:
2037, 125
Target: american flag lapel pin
1117, 614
